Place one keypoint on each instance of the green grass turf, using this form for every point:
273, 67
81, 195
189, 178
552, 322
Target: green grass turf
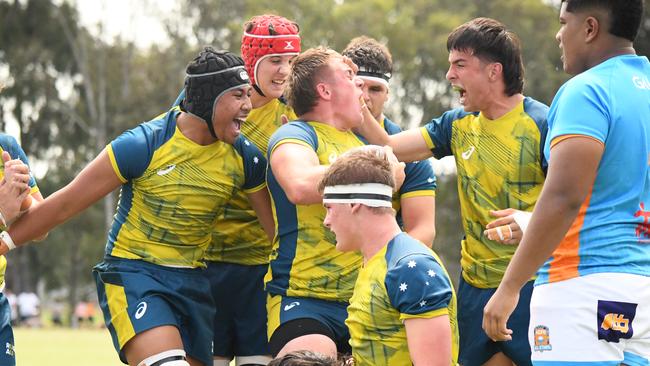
64, 347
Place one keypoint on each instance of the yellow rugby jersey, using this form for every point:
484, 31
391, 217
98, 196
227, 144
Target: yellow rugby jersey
238, 236
304, 259
500, 165
10, 145
173, 191
404, 280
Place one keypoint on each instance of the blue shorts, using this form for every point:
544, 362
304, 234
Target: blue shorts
7, 355
330, 315
240, 320
475, 346
136, 296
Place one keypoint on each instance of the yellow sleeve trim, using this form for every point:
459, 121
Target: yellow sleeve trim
34, 189
426, 193
111, 157
256, 189
290, 141
427, 138
561, 138
427, 315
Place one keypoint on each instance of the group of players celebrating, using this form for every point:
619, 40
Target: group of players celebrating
275, 215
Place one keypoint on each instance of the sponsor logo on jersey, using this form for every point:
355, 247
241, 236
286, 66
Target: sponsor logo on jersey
542, 339
291, 306
615, 320
166, 170
641, 82
468, 153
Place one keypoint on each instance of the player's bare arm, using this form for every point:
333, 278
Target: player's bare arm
429, 340
93, 182
297, 169
261, 203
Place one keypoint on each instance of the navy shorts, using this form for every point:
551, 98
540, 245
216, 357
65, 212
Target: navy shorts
136, 296
286, 312
240, 320
7, 355
475, 346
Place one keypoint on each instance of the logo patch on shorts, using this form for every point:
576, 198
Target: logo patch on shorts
10, 350
542, 339
615, 320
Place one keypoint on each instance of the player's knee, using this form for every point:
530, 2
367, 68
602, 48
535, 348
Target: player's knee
174, 357
253, 360
220, 362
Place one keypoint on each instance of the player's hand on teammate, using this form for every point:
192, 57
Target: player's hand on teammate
14, 187
397, 166
496, 314
504, 229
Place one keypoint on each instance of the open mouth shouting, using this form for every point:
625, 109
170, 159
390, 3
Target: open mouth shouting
461, 93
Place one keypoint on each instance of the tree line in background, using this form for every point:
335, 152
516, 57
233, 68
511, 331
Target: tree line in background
72, 92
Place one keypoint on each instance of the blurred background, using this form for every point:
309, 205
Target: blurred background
78, 73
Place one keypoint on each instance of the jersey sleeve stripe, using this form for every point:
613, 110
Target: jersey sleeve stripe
427, 137
423, 193
111, 156
256, 189
427, 315
290, 141
561, 138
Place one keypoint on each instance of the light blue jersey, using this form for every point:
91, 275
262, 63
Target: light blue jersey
611, 104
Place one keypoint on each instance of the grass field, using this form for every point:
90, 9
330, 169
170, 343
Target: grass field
64, 347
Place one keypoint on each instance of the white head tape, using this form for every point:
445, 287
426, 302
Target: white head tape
369, 194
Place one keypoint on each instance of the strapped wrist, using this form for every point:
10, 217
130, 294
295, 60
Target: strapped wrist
6, 238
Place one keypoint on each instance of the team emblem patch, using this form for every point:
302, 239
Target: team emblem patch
542, 339
615, 320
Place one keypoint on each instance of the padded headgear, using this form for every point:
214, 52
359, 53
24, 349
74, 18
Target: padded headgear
268, 35
210, 75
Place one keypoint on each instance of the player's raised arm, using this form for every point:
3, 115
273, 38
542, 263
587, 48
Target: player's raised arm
94, 182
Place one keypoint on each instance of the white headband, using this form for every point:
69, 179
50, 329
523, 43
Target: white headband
369, 194
373, 78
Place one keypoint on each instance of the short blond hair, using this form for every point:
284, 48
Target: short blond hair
306, 71
365, 164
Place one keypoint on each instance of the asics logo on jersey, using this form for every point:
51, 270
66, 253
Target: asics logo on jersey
641, 82
289, 45
166, 170
332, 158
291, 306
142, 308
616, 322
466, 154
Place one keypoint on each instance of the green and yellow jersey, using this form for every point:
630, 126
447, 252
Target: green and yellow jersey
174, 190
404, 280
304, 260
10, 145
500, 165
238, 236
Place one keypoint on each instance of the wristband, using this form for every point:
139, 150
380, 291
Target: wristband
4, 236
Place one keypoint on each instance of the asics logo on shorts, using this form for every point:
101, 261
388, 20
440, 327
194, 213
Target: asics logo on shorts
615, 320
468, 153
166, 170
142, 308
291, 306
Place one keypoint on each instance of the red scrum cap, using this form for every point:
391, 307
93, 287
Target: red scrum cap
268, 35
